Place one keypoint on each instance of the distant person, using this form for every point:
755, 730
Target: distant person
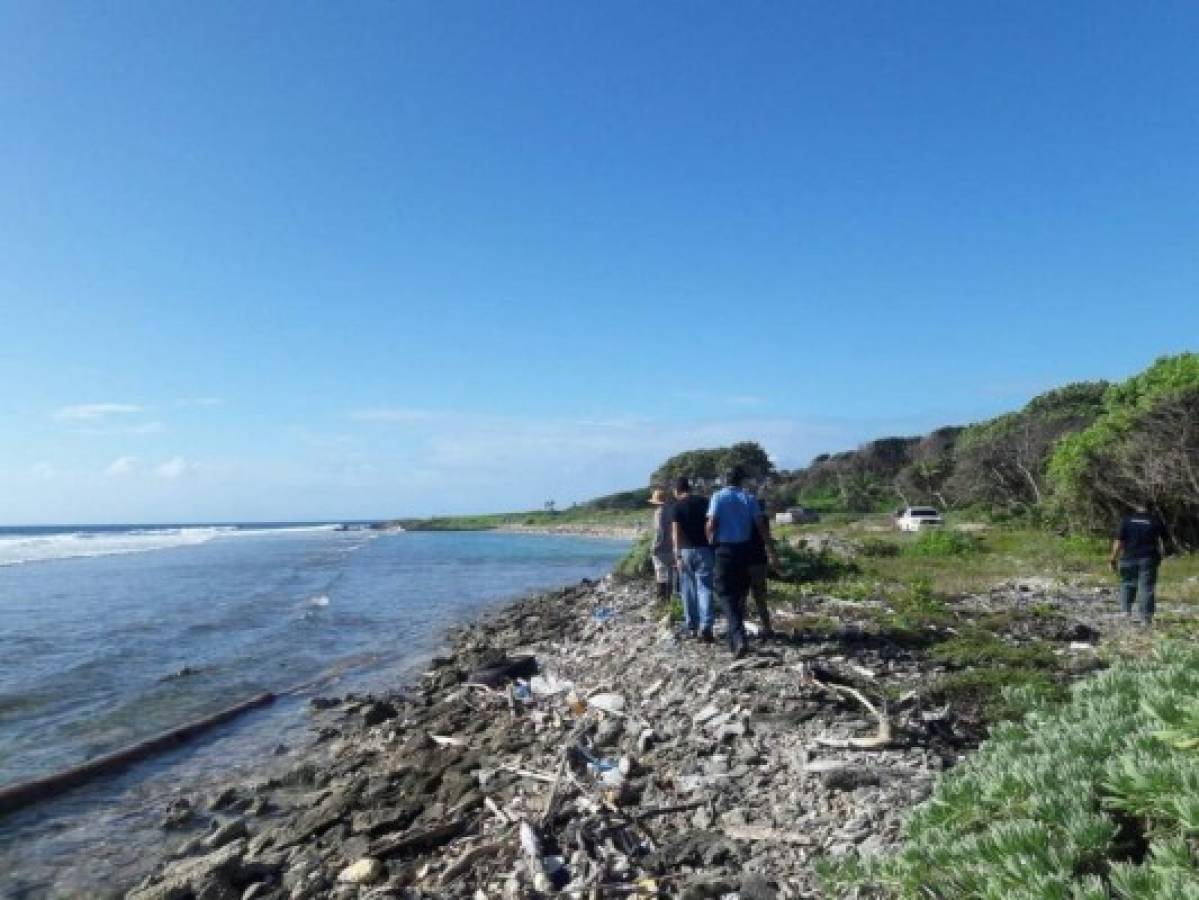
695, 560
759, 563
1137, 553
732, 517
662, 546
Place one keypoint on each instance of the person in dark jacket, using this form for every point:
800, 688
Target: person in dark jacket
1137, 553
759, 563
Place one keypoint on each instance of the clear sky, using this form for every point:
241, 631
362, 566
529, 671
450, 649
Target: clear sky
283, 260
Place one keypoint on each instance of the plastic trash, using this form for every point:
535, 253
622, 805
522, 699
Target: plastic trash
603, 614
548, 685
609, 703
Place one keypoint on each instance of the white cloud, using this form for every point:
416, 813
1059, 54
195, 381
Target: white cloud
174, 468
43, 470
123, 465
90, 412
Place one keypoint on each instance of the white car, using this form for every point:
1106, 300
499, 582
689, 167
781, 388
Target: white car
914, 518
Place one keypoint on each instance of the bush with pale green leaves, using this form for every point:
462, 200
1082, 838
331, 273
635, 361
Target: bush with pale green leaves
1093, 799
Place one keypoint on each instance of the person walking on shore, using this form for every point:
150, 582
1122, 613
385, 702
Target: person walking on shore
693, 554
662, 548
732, 517
759, 538
1137, 552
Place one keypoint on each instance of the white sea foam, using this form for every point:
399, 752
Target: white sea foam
319, 600
16, 549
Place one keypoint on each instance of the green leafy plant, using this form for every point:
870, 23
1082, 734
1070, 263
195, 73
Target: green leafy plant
1081, 799
944, 542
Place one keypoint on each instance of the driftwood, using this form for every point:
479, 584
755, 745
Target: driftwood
468, 859
762, 833
882, 739
420, 840
19, 795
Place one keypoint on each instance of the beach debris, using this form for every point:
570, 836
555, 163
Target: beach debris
620, 768
367, 870
612, 704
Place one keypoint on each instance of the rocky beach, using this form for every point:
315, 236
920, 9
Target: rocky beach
573, 744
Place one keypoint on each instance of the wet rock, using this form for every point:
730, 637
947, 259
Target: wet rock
848, 778
378, 713
226, 833
179, 813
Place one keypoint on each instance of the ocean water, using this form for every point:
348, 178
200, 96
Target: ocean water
110, 635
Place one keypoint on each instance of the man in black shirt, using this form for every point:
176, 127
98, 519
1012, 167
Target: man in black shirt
1136, 553
759, 566
694, 558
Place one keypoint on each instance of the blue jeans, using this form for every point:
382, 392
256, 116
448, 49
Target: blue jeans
1138, 576
695, 577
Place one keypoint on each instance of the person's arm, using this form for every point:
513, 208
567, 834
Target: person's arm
678, 540
710, 529
657, 545
763, 527
1117, 549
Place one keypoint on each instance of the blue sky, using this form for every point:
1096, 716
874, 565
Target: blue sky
281, 260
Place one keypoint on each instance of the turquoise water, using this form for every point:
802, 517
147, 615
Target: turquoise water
107, 637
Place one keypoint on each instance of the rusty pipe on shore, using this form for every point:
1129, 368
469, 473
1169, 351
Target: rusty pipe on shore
24, 793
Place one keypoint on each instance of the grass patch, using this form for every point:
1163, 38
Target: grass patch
997, 694
916, 606
799, 564
944, 542
979, 647
1091, 799
637, 563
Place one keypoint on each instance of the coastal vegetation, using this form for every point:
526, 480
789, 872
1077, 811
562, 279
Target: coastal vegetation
1094, 798
1072, 460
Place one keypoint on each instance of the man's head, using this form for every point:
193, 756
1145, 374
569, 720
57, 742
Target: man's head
682, 487
735, 476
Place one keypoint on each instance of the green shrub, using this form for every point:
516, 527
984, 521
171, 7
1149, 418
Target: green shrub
1093, 798
976, 647
944, 542
637, 563
879, 549
916, 606
799, 564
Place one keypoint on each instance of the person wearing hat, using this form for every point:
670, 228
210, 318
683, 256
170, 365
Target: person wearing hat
662, 548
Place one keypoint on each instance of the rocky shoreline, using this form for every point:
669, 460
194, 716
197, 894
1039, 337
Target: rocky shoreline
571, 744
618, 532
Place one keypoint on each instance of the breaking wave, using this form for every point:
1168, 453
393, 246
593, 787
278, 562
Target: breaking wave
31, 547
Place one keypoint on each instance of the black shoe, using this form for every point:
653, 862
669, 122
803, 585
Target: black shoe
738, 648
706, 636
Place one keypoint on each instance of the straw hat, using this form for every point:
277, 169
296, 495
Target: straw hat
658, 497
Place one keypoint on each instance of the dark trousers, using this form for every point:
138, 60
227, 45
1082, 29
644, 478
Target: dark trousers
1139, 577
759, 588
731, 581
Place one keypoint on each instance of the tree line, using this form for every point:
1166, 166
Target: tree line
1075, 457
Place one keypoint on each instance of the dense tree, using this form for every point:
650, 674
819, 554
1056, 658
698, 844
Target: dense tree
1001, 463
710, 464
1143, 448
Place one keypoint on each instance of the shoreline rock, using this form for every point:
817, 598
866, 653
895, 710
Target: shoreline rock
573, 744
